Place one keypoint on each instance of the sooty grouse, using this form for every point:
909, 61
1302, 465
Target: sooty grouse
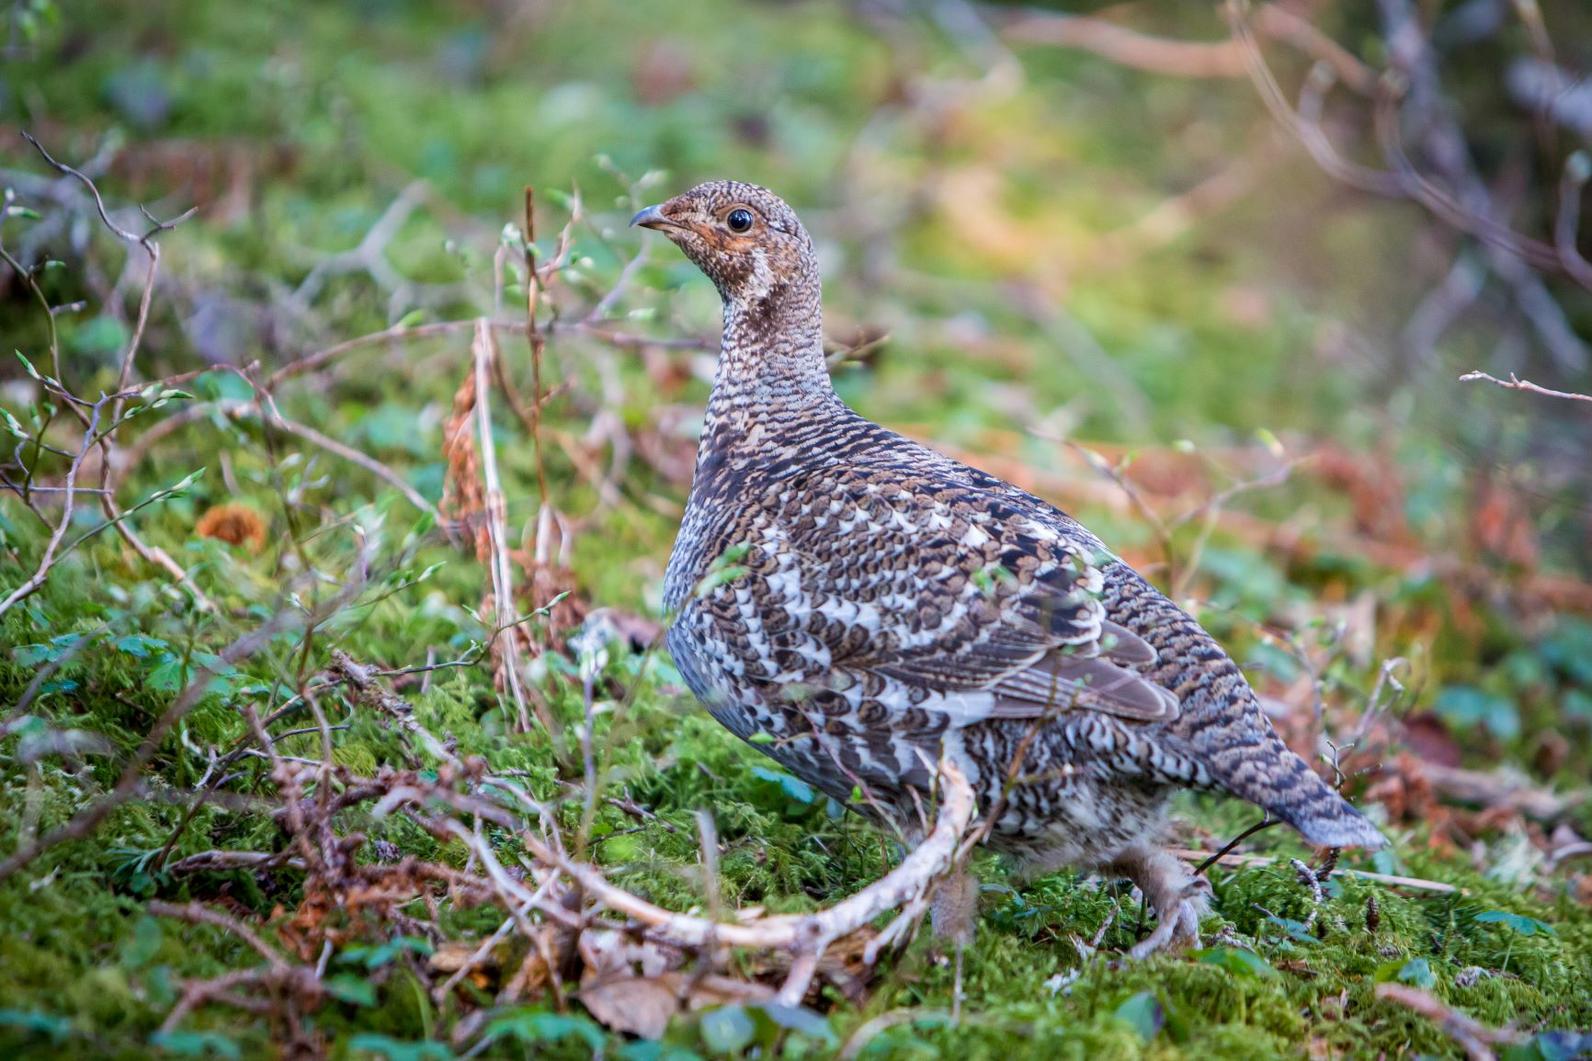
868, 603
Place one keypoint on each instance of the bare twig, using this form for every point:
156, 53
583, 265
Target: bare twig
1475, 1038
365, 683
123, 234
1515, 383
505, 642
36, 580
1390, 879
267, 413
1127, 47
1266, 822
115, 518
1567, 220
199, 914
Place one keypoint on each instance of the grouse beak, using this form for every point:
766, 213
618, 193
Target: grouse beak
653, 217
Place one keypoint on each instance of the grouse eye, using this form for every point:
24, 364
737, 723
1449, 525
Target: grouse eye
739, 219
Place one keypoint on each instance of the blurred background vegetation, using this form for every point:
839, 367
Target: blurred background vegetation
1093, 261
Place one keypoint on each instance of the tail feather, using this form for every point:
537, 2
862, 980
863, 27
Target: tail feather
1301, 798
1221, 722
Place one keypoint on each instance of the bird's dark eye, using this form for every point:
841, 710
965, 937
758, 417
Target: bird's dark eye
739, 219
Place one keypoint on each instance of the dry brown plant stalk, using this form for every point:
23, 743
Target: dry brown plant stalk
505, 646
1475, 1038
1515, 383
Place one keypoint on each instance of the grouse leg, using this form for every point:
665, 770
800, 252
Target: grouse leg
1176, 895
953, 911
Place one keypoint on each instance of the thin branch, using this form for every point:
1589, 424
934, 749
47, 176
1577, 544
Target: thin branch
1266, 822
1127, 47
1475, 1038
239, 408
86, 820
1567, 221
99, 203
506, 641
1515, 383
1391, 879
47, 560
257, 640
199, 914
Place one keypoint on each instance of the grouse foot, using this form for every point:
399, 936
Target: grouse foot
1177, 896
953, 910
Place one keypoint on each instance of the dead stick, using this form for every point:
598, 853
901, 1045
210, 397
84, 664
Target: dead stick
485, 350
807, 934
1393, 880
1476, 1038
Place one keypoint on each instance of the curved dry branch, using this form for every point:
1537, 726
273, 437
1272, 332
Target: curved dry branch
1127, 47
805, 935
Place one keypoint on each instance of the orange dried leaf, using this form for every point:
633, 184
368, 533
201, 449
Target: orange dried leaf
235, 524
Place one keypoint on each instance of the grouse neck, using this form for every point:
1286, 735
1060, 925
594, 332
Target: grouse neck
771, 359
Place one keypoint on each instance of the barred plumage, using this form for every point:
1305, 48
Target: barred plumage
868, 602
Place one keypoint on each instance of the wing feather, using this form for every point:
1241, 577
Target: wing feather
1006, 607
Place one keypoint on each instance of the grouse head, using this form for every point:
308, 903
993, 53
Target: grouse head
747, 241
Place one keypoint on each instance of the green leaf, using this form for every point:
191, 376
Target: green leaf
531, 1027
801, 1020
1578, 705
1297, 931
653, 1050
797, 793
140, 645
144, 944
399, 1049
1465, 705
1417, 971
727, 1029
1238, 962
1143, 1013
223, 386
1569, 649
351, 988
100, 335
726, 567
28, 1020
1525, 926
393, 427
1552, 1046
181, 486
173, 674
45, 652
376, 957
195, 1044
